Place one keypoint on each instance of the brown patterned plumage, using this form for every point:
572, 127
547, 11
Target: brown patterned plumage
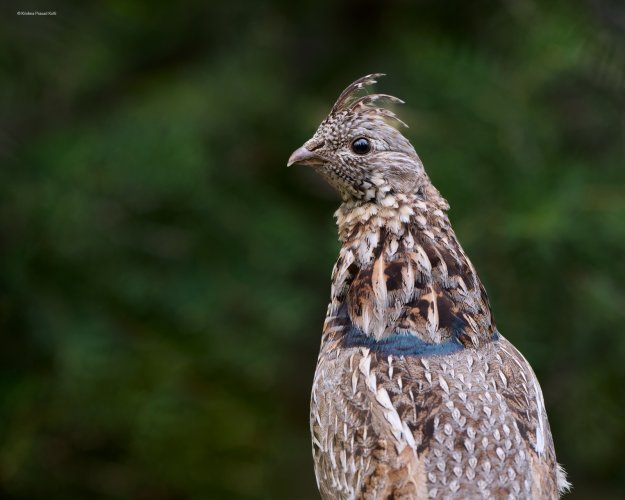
416, 393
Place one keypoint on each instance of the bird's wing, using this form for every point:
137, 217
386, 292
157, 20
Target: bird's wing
524, 399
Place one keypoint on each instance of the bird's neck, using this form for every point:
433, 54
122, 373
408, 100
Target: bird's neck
395, 213
401, 269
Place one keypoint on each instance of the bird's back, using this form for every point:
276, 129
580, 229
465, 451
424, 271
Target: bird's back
471, 424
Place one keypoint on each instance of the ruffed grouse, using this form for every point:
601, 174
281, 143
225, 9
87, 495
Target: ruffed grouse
416, 393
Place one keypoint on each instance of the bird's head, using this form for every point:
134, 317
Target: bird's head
358, 149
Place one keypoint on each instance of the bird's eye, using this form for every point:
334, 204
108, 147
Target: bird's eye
361, 146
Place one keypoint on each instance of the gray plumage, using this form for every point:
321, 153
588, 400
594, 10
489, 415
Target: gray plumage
416, 393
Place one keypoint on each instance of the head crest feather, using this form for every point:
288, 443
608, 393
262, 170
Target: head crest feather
349, 100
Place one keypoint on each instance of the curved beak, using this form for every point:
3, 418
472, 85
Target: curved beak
303, 156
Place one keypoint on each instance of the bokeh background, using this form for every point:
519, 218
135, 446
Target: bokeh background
164, 276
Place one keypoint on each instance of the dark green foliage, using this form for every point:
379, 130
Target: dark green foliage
164, 276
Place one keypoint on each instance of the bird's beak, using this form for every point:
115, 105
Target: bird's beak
303, 156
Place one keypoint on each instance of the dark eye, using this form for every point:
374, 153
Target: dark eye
361, 146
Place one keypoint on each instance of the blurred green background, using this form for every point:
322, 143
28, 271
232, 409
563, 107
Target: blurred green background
164, 277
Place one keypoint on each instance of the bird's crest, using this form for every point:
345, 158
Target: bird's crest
350, 100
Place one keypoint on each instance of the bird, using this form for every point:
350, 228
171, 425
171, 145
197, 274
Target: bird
416, 394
